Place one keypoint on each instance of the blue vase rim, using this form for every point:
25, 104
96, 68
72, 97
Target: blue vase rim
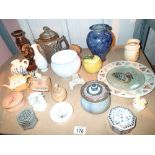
100, 27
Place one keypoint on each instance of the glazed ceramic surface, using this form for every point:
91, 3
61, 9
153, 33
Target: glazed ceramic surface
17, 80
65, 63
58, 93
61, 112
95, 97
40, 61
27, 119
19, 67
131, 52
127, 79
121, 120
13, 102
37, 101
51, 43
92, 64
25, 47
99, 39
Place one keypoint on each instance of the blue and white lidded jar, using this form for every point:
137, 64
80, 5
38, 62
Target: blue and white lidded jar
95, 97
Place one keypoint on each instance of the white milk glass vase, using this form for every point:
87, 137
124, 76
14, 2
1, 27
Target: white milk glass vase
40, 60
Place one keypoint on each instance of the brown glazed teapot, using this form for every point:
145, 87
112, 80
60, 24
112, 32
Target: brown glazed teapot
50, 42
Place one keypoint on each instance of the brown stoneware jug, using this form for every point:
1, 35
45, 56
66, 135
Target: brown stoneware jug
50, 42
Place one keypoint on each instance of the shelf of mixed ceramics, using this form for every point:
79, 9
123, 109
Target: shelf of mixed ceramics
71, 100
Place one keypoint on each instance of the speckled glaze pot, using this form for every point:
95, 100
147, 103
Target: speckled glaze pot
95, 97
99, 39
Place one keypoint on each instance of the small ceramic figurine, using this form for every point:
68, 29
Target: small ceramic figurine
59, 93
139, 103
76, 80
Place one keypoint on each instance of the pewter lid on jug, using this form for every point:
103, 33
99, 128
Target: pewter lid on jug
95, 91
48, 34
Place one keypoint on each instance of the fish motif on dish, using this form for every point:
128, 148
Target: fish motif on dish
124, 77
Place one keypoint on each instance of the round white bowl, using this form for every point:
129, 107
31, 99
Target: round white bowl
65, 63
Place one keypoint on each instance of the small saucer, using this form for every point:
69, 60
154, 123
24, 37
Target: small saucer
61, 112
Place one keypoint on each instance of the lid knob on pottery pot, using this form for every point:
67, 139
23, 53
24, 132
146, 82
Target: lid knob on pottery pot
95, 91
48, 34
95, 97
94, 88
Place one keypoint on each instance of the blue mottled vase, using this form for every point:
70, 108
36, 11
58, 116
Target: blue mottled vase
99, 39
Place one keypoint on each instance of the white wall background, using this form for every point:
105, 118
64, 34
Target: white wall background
76, 30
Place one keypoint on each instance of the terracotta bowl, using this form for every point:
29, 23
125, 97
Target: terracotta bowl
13, 101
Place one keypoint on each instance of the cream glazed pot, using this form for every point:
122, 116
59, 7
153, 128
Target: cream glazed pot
131, 52
65, 63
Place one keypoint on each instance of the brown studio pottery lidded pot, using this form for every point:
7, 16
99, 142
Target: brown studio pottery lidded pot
50, 42
95, 97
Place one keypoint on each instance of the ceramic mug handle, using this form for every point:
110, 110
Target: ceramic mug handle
26, 62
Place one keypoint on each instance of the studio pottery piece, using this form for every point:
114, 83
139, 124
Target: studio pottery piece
99, 39
18, 82
65, 63
19, 67
25, 47
76, 48
92, 63
51, 43
37, 101
121, 120
59, 93
95, 97
40, 60
27, 119
127, 78
131, 52
13, 102
61, 112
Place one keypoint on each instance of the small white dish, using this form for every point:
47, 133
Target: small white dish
61, 112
